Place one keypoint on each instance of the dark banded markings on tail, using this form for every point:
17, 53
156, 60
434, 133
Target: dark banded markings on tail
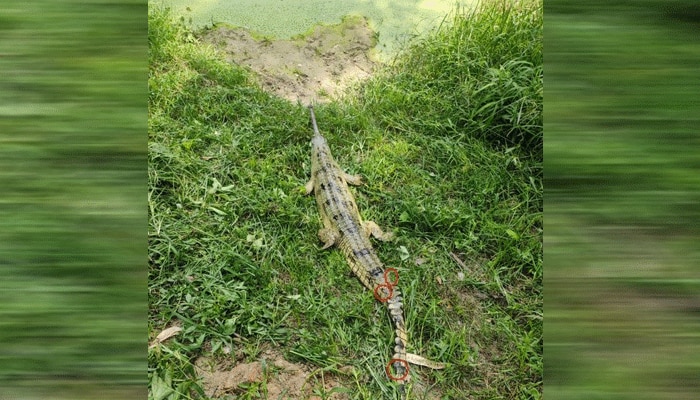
376, 273
362, 252
351, 230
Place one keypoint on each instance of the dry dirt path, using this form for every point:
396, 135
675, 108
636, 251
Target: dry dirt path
316, 66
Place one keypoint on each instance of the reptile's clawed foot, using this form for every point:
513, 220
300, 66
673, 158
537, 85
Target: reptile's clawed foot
371, 228
328, 237
353, 179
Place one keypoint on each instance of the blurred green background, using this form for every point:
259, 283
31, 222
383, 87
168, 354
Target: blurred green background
73, 206
622, 288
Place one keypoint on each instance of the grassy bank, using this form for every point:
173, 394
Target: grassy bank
448, 140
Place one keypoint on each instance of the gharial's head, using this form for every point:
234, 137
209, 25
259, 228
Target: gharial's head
318, 141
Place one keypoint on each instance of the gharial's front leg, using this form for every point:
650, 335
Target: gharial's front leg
309, 186
355, 180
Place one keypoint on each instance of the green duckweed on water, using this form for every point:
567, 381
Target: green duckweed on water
396, 21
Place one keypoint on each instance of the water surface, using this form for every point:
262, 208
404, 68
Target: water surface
395, 20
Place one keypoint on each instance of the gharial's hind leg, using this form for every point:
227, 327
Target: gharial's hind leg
371, 228
352, 179
328, 236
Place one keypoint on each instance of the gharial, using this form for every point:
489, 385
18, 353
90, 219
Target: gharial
343, 227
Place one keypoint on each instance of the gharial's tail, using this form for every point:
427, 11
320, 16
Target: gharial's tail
401, 358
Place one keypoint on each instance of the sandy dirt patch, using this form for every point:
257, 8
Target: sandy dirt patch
270, 376
273, 377
316, 66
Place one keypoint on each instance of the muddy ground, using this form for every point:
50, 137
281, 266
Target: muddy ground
316, 66
271, 376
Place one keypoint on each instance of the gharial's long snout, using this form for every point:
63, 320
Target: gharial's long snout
317, 139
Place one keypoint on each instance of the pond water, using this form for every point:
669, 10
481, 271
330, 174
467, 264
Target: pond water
395, 20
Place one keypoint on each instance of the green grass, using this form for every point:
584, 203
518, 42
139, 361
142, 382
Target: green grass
233, 251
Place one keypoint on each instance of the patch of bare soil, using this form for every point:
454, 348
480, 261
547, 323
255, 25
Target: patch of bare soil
315, 67
271, 376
